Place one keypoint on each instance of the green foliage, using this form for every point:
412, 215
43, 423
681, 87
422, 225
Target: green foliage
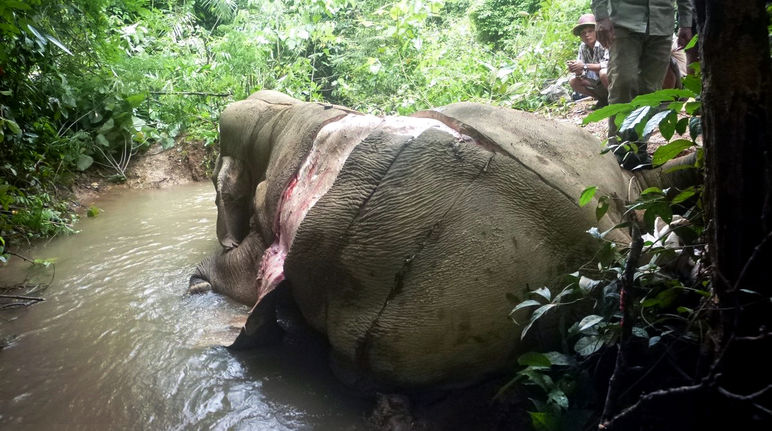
669, 306
495, 19
91, 83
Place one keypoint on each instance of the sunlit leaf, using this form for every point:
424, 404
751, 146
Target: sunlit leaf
656, 98
654, 122
588, 345
683, 195
56, 42
669, 151
692, 107
589, 321
638, 116
543, 292
607, 111
587, 195
692, 43
526, 303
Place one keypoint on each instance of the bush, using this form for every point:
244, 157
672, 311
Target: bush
495, 19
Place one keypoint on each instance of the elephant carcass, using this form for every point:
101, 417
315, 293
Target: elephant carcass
404, 239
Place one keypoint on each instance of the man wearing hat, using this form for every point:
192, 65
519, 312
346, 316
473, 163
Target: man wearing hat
638, 35
591, 62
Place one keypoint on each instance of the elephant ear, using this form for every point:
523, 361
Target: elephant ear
231, 182
261, 327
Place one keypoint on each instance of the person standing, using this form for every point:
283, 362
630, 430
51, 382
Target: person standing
589, 68
638, 35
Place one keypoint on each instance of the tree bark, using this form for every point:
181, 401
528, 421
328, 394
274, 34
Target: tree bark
737, 110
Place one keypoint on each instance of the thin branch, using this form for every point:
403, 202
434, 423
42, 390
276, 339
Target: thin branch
22, 297
626, 301
191, 93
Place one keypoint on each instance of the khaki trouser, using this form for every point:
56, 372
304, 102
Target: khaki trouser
637, 65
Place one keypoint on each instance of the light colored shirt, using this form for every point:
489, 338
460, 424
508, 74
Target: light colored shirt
654, 17
597, 55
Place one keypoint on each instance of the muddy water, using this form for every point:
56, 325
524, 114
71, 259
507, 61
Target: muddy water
118, 345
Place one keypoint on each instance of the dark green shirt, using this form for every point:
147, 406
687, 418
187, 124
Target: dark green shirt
654, 17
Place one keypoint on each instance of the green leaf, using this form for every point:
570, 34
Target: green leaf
654, 122
681, 126
637, 117
534, 359
588, 345
695, 127
607, 111
602, 208
658, 209
657, 97
56, 42
692, 107
652, 191
692, 83
535, 316
587, 195
15, 4
559, 398
557, 358
663, 299
136, 99
692, 43
41, 39
543, 421
84, 162
589, 321
15, 129
101, 140
526, 303
543, 292
683, 195
669, 151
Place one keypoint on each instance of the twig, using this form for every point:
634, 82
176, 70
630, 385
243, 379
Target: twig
626, 305
23, 298
191, 93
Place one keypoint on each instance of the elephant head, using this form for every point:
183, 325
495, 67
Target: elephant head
403, 239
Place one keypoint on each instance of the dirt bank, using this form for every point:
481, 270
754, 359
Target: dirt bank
187, 161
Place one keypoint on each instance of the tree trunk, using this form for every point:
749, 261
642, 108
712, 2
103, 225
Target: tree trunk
737, 110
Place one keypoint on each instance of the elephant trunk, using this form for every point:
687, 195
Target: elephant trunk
674, 173
231, 272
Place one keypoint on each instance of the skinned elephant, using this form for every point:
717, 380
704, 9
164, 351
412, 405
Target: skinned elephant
401, 239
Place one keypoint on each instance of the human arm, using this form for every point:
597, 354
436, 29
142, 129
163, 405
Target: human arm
685, 19
604, 28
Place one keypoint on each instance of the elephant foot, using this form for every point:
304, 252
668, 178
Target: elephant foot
198, 285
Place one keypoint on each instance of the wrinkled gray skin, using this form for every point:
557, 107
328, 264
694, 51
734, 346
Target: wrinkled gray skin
408, 263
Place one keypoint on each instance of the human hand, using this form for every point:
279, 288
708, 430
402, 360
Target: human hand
604, 31
684, 37
576, 66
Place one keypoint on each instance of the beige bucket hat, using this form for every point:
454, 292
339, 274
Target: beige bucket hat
585, 20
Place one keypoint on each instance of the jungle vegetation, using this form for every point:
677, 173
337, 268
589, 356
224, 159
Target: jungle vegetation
87, 83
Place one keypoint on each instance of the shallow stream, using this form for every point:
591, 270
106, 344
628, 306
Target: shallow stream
118, 345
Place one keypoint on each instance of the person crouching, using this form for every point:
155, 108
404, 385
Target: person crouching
590, 66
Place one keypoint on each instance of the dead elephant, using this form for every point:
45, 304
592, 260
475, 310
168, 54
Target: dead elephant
401, 239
